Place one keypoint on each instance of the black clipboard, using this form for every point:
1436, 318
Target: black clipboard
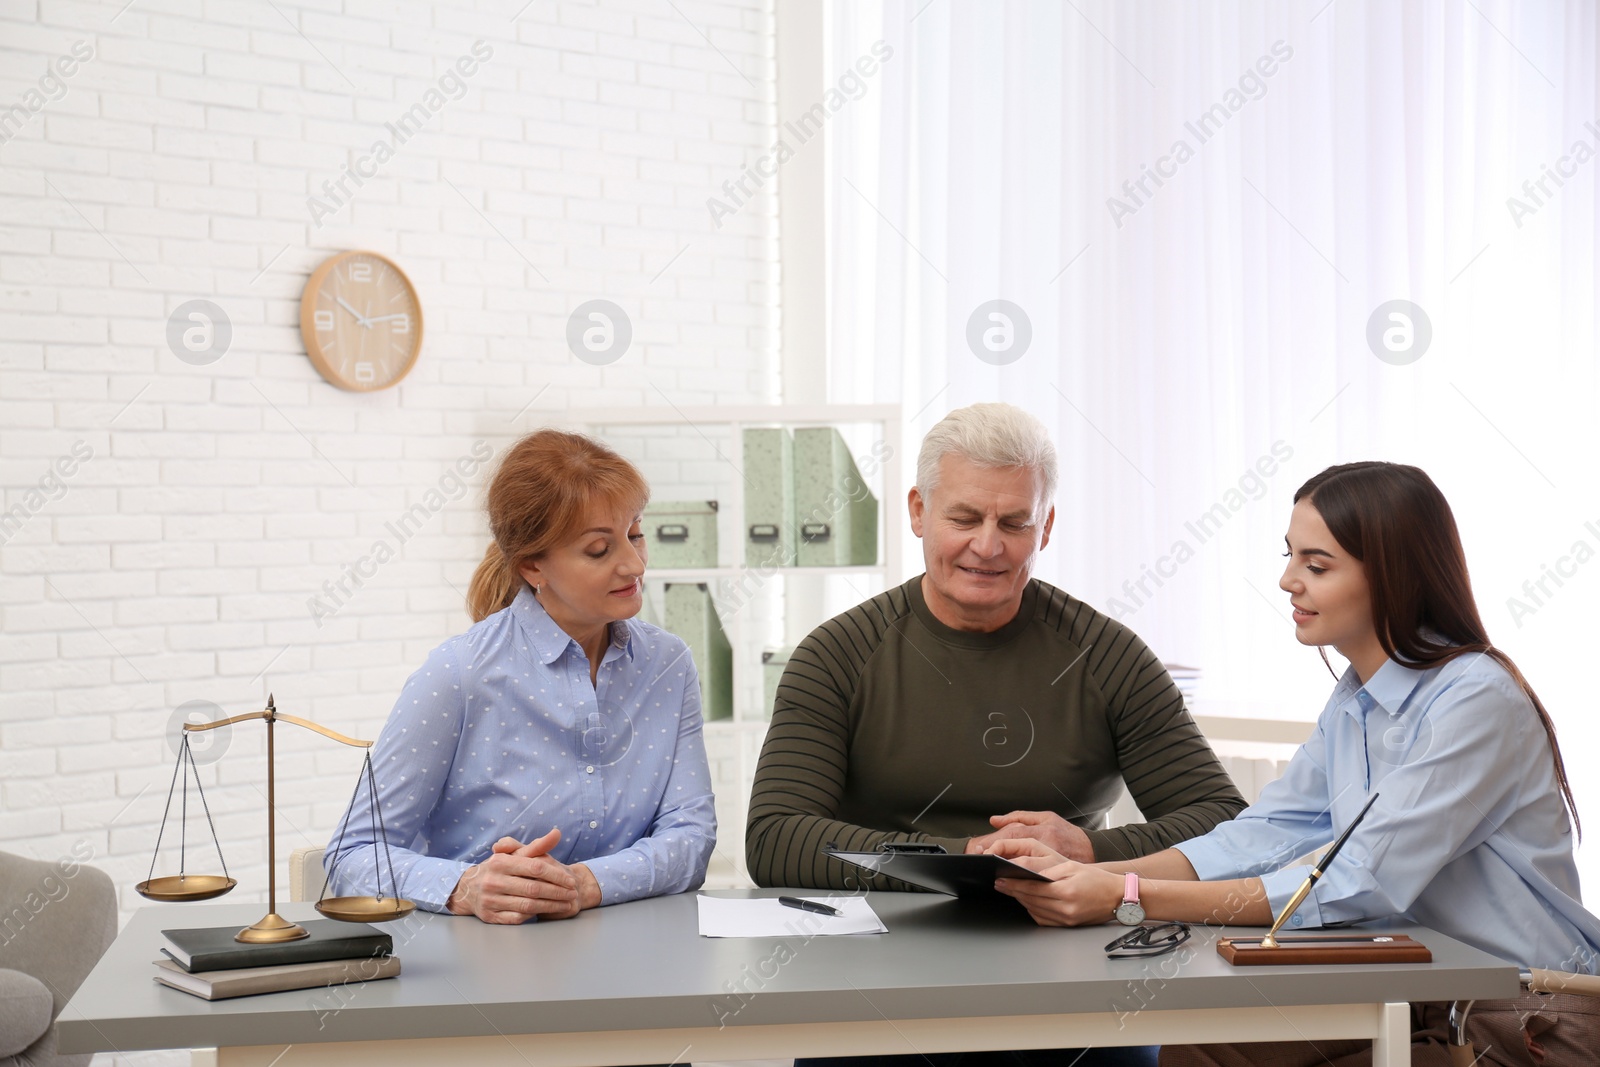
969, 877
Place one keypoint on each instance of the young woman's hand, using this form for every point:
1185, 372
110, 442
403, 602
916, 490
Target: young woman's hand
1026, 852
519, 882
1078, 894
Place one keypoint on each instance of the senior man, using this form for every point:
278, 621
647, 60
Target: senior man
973, 702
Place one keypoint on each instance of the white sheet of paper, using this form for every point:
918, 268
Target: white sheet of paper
765, 917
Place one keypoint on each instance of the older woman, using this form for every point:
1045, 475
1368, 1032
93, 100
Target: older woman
551, 758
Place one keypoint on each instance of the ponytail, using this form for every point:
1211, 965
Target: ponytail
495, 584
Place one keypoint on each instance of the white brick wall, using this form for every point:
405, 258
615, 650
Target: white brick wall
175, 563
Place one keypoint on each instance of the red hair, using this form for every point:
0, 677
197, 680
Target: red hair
538, 500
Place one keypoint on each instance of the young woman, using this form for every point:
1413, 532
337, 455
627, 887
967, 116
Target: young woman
551, 758
1470, 835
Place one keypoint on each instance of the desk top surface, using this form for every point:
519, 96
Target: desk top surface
643, 965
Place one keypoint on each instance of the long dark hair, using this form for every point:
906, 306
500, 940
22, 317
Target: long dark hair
1394, 520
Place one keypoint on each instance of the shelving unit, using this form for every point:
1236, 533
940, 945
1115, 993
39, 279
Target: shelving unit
694, 453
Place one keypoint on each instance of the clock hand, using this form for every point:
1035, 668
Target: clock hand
385, 318
361, 319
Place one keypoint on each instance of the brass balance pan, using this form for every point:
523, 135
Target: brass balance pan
181, 887
365, 909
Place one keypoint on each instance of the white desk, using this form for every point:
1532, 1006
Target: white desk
636, 984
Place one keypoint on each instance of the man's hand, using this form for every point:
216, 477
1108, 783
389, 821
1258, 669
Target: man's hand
519, 882
1078, 894
1045, 827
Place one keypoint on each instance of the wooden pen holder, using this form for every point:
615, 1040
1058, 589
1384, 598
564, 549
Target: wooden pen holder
1324, 948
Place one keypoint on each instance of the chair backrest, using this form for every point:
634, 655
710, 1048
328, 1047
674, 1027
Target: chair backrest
49, 951
306, 876
1544, 981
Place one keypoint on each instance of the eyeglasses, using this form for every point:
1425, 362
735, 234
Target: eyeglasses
1144, 941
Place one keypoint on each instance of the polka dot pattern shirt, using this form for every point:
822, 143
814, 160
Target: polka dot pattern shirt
501, 734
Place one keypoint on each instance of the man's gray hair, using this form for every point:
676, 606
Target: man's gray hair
989, 435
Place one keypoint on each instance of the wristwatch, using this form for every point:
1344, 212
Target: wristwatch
1129, 912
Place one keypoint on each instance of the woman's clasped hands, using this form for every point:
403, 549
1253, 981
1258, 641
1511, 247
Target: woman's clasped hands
518, 882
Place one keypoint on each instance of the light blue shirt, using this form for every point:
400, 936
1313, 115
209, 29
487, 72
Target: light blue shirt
1468, 836
501, 734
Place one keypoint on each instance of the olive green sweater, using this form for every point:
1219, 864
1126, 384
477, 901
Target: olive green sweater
891, 726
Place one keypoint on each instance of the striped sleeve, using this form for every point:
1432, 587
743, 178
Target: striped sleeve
800, 777
1174, 777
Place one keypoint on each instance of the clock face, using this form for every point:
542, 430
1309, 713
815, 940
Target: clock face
361, 321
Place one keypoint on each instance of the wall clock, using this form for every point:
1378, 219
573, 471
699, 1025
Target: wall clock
361, 321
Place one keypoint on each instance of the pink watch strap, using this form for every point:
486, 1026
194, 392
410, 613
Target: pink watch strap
1130, 888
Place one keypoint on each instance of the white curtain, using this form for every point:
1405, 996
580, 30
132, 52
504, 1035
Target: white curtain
1316, 161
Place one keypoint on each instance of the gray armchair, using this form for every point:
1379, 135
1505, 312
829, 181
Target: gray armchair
56, 921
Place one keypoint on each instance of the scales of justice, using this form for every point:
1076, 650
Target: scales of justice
272, 928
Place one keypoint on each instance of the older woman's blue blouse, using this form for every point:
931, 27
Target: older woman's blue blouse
501, 734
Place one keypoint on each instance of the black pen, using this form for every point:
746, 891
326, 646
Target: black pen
1270, 941
809, 905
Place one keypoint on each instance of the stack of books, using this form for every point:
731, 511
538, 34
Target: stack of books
209, 963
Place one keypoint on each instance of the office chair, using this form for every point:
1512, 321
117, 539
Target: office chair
306, 876
1536, 980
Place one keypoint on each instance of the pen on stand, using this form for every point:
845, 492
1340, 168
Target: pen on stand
809, 905
1270, 941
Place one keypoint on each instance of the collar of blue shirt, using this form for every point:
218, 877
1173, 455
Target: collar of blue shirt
1389, 688
549, 640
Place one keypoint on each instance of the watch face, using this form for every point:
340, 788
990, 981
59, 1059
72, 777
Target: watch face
1129, 913
362, 321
